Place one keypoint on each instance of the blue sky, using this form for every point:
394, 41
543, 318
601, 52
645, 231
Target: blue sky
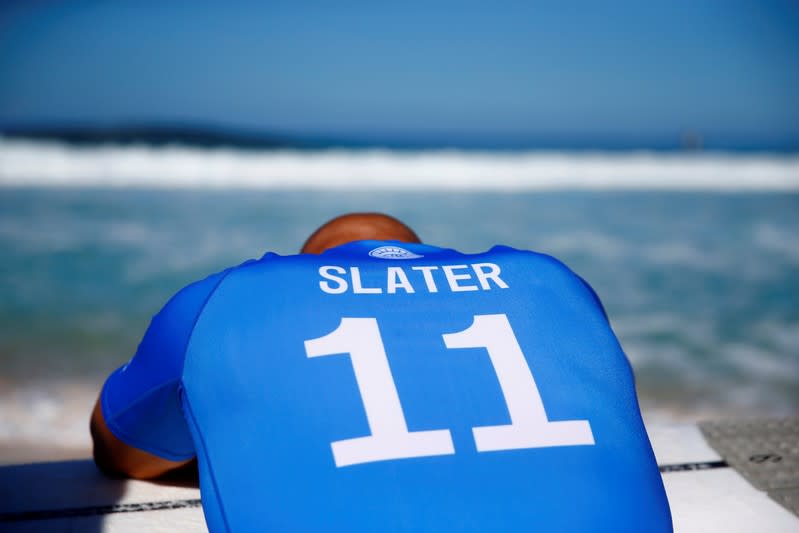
726, 69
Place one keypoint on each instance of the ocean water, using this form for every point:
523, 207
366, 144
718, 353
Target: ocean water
696, 261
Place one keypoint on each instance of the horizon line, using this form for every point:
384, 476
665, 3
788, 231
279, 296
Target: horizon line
209, 134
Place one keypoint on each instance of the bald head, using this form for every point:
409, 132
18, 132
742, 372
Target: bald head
358, 227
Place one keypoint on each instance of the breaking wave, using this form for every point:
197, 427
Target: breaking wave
46, 164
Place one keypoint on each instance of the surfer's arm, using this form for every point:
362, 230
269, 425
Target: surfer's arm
137, 425
115, 457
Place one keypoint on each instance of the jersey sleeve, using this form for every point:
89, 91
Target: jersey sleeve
141, 400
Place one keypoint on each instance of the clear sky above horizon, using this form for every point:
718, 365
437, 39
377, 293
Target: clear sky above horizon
728, 69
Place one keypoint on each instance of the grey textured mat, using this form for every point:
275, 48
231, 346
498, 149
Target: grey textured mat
764, 451
788, 498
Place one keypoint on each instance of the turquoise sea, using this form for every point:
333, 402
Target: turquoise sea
701, 284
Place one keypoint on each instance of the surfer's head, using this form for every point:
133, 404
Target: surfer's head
358, 227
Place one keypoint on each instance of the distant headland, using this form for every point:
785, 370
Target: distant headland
206, 135
201, 135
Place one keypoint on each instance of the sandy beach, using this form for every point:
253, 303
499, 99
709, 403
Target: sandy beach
46, 421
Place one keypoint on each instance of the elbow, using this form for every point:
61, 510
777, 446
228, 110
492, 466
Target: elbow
102, 451
118, 459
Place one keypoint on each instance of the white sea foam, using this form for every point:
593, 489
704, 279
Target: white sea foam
28, 163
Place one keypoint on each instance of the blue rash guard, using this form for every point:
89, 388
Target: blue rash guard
394, 387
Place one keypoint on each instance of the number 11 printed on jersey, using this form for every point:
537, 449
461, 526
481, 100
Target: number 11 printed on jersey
390, 439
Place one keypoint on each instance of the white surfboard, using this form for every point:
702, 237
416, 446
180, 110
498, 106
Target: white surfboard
753, 487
